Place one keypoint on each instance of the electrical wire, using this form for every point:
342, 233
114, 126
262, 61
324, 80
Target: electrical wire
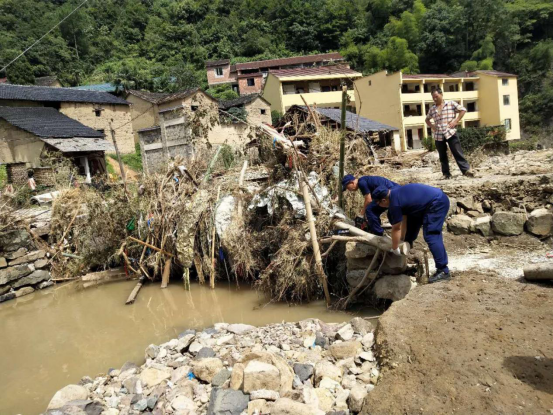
43, 36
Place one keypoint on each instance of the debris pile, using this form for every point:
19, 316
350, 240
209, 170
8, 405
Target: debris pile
308, 367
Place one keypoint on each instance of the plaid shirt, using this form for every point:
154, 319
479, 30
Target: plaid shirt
448, 114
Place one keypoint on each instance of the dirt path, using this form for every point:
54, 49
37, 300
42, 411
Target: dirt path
130, 174
475, 345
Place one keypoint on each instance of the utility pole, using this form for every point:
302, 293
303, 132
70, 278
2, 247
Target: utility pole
121, 166
342, 146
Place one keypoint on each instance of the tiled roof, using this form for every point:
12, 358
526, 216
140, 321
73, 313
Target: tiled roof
316, 70
50, 94
354, 122
494, 73
426, 76
294, 60
243, 100
183, 95
107, 87
46, 122
249, 75
153, 97
220, 62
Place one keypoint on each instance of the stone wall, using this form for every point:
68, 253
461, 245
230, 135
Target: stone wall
23, 268
17, 173
118, 115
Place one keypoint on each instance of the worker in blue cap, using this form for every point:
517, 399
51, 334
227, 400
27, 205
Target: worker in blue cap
371, 210
411, 207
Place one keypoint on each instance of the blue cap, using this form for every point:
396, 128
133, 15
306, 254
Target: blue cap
348, 178
379, 193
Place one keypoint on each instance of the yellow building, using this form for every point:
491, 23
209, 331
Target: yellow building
402, 101
319, 86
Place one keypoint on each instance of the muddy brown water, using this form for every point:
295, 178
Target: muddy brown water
53, 337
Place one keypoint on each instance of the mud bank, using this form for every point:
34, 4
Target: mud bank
477, 344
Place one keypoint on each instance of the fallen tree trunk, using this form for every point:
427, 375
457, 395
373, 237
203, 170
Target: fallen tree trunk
380, 242
104, 275
538, 272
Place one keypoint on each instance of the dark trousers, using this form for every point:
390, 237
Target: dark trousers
432, 222
372, 213
456, 150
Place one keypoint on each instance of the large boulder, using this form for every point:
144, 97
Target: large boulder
508, 223
345, 349
356, 398
152, 376
14, 240
393, 287
355, 277
540, 222
261, 375
206, 369
240, 328
466, 202
394, 264
483, 225
459, 224
227, 402
30, 257
67, 394
326, 369
359, 250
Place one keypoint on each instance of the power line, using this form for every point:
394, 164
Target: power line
43, 36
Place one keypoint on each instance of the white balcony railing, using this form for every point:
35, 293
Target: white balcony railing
319, 98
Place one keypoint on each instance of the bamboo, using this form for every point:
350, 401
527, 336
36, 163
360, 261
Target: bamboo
342, 148
211, 164
240, 184
381, 242
314, 242
121, 166
426, 267
155, 248
315, 119
212, 276
166, 273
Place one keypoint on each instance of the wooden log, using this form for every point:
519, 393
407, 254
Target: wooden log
383, 243
166, 273
367, 273
539, 272
212, 276
240, 184
135, 291
104, 275
314, 242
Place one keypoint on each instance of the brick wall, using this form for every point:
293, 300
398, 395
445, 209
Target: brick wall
120, 114
213, 79
17, 173
44, 176
246, 90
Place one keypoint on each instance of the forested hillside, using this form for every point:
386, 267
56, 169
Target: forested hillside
162, 44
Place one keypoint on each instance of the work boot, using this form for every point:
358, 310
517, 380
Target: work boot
447, 177
439, 275
469, 173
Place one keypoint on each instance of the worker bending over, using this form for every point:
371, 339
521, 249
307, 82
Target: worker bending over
410, 207
371, 210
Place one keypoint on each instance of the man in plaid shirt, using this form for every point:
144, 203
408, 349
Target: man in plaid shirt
446, 115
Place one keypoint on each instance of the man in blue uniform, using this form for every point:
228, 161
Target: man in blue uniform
371, 210
411, 207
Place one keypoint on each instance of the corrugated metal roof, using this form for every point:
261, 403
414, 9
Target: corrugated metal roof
354, 122
51, 94
294, 60
107, 87
494, 73
314, 71
46, 122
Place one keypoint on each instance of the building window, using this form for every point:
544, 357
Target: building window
98, 112
194, 107
508, 124
505, 82
263, 112
506, 100
326, 88
471, 107
218, 72
251, 82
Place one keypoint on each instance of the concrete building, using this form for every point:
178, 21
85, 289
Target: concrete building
26, 133
96, 110
320, 86
249, 77
402, 101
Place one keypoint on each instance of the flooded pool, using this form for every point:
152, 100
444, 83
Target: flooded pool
54, 337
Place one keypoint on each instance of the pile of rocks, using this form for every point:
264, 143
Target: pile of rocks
23, 268
291, 368
393, 285
477, 217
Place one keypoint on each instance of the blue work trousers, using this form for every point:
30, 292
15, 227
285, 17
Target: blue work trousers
372, 213
432, 222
